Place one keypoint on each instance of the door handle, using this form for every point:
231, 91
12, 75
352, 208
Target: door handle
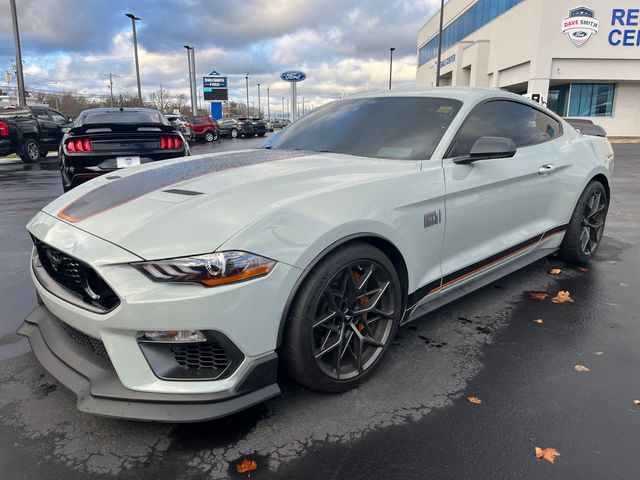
547, 169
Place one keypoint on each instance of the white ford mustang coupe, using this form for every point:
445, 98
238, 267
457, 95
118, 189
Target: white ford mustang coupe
170, 291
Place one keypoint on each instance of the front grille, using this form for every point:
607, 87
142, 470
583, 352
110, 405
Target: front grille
86, 341
201, 356
76, 277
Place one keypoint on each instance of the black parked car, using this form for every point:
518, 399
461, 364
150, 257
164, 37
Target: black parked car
233, 128
105, 139
259, 125
30, 131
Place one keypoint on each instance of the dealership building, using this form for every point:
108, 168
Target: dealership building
581, 58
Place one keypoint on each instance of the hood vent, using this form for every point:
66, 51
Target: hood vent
179, 191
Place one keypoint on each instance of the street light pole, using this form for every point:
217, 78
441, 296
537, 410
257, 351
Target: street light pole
246, 79
21, 97
282, 116
390, 64
440, 43
135, 51
268, 106
111, 88
259, 113
191, 58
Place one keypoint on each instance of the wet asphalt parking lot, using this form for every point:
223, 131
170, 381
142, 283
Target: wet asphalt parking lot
412, 420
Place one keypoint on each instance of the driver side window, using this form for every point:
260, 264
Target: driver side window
58, 118
521, 123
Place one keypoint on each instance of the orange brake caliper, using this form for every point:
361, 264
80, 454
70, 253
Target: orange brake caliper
361, 301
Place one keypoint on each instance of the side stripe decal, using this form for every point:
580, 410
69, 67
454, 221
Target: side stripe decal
476, 267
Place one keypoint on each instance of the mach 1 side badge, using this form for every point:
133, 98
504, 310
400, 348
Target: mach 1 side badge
580, 25
432, 218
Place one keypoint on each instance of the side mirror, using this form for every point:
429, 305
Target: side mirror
487, 148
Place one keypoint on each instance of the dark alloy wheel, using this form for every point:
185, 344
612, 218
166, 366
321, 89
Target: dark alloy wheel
344, 319
31, 151
587, 225
234, 133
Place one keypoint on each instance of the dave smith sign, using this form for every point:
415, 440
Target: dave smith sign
580, 25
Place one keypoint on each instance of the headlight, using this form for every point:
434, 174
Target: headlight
208, 270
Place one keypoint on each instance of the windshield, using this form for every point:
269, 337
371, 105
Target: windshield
399, 128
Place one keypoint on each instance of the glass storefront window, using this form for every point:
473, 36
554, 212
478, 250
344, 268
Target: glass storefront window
478, 15
591, 99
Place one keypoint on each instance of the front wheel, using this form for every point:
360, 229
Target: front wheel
343, 319
586, 227
234, 133
262, 134
31, 151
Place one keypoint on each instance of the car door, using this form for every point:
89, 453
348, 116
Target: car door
497, 209
59, 121
47, 126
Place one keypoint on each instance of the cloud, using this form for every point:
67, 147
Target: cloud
342, 45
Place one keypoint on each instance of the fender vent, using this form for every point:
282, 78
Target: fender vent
179, 191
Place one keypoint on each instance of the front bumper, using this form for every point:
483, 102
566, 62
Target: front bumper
99, 391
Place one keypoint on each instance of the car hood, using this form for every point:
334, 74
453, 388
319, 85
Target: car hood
193, 205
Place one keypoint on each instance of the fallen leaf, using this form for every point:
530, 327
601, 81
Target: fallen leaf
247, 465
636, 402
613, 305
583, 269
538, 321
563, 296
597, 354
538, 295
549, 454
474, 400
581, 368
555, 271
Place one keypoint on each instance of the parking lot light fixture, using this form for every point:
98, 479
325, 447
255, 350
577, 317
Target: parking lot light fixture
268, 106
259, 109
135, 52
390, 64
439, 64
246, 79
21, 100
191, 58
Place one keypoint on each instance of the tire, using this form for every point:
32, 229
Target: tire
262, 134
234, 133
210, 137
314, 335
584, 233
31, 150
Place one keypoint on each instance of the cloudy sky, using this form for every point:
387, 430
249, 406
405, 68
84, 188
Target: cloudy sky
342, 45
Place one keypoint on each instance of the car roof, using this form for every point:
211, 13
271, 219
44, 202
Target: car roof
120, 109
458, 93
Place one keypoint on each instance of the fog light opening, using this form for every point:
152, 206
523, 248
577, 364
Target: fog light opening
175, 336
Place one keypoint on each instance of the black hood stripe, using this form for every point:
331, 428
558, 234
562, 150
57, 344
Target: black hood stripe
126, 189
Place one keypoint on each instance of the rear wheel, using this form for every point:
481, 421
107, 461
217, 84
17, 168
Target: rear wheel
343, 319
262, 134
210, 136
234, 133
586, 227
31, 151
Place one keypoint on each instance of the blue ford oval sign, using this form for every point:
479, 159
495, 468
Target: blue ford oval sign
293, 76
